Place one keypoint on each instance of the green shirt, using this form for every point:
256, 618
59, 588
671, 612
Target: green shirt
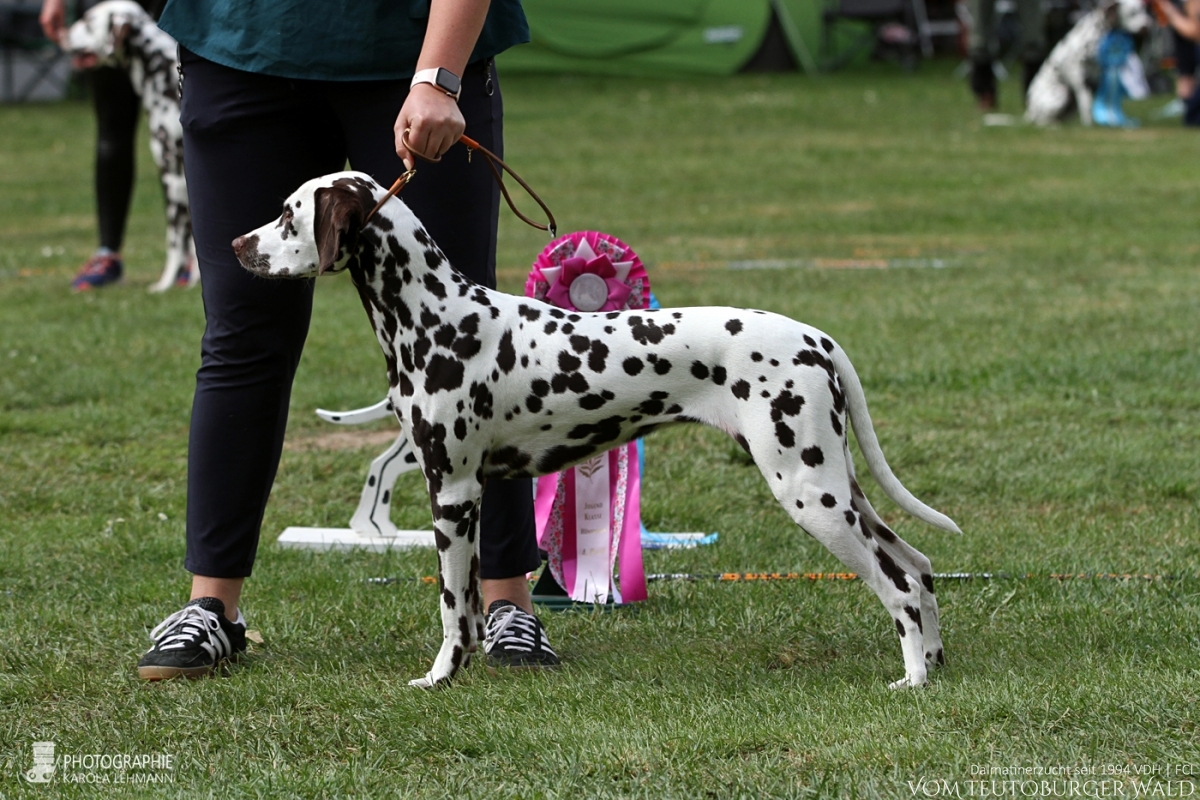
338, 40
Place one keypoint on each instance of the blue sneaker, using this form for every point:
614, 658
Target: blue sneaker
102, 269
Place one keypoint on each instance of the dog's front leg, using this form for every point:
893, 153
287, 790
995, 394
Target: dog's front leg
456, 531
1083, 94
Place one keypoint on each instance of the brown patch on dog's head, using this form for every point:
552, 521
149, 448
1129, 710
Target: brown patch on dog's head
339, 216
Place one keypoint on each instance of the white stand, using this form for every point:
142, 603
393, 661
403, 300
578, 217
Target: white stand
371, 526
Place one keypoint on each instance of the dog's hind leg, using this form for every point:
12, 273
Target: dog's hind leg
913, 561
456, 532
819, 499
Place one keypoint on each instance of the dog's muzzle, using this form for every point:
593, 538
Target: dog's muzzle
246, 250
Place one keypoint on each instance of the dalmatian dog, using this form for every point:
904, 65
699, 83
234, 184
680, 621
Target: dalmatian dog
119, 33
488, 385
1063, 78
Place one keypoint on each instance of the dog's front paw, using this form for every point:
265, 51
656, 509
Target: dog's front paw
426, 682
908, 682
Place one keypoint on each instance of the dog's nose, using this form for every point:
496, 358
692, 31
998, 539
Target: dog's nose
239, 244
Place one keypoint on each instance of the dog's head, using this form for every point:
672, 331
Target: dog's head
98, 38
317, 231
1127, 15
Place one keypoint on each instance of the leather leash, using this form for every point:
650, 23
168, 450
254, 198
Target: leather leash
493, 160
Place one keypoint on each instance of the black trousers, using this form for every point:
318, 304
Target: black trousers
117, 107
249, 141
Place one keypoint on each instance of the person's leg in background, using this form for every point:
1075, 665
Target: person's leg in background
117, 107
979, 52
1033, 41
1185, 79
250, 141
458, 201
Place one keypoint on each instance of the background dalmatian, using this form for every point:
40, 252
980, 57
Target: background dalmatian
491, 385
120, 33
1064, 76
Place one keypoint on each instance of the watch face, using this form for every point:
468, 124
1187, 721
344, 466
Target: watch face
448, 81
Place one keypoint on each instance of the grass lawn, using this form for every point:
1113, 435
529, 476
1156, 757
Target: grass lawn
1040, 387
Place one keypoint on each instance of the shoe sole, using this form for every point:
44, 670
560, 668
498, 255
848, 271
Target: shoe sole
156, 673
520, 663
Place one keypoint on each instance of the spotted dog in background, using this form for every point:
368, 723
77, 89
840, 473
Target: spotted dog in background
1062, 82
488, 385
119, 33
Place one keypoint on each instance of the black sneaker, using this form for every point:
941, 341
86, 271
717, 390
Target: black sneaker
193, 642
514, 638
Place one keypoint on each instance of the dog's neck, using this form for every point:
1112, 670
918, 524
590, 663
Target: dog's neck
406, 284
148, 52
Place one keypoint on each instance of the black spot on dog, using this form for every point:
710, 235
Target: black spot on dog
718, 376
540, 387
510, 458
534, 403
756, 356
885, 533
580, 344
900, 628
432, 284
448, 599
699, 370
556, 458
836, 422
531, 314
550, 327
443, 375
662, 366
799, 504
591, 402
808, 340
915, 616
481, 397
785, 405
632, 365
785, 435
567, 327
654, 405
927, 582
828, 345
598, 357
647, 332
812, 456
734, 326
568, 362
828, 500
506, 355
460, 429
892, 570
741, 390
850, 518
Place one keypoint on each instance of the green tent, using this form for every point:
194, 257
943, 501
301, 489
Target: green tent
658, 37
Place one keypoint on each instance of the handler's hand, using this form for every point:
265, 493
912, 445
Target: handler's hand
53, 20
433, 121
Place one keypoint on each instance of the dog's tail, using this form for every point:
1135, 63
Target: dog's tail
856, 402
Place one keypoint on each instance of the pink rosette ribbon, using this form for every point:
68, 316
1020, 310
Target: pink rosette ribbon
588, 517
589, 271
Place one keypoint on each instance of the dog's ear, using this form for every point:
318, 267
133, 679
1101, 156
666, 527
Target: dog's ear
1112, 13
339, 216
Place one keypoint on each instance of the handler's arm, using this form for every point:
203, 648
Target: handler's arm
1187, 22
433, 117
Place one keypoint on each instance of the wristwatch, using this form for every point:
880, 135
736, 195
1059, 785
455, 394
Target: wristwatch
441, 78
